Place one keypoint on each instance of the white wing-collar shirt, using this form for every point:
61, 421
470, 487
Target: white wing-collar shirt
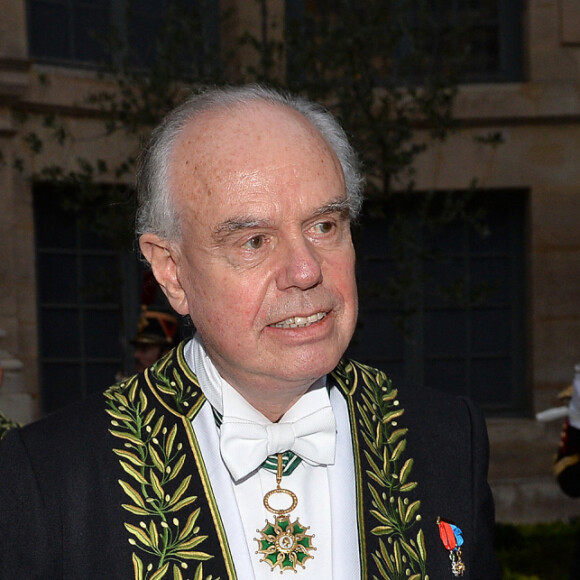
326, 493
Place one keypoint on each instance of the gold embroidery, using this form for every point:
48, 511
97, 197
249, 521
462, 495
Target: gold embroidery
167, 536
402, 551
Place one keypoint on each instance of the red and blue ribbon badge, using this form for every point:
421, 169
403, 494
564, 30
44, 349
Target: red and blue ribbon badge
452, 538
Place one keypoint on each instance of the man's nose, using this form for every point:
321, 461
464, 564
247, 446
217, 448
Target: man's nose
300, 265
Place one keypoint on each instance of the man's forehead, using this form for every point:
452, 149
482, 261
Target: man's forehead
223, 132
244, 149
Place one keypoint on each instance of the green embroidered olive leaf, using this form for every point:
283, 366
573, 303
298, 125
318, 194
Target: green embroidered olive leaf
396, 435
119, 397
132, 493
383, 518
136, 510
149, 417
411, 511
157, 461
386, 558
391, 394
170, 441
129, 456
132, 391
184, 546
127, 436
155, 431
180, 491
138, 567
408, 487
369, 442
399, 449
153, 534
421, 544
377, 500
189, 524
405, 470
166, 388
133, 472
174, 471
143, 401
409, 550
160, 573
189, 555
184, 502
373, 465
139, 533
116, 414
397, 555
382, 530
392, 415
156, 485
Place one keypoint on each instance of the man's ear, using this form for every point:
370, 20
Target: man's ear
161, 255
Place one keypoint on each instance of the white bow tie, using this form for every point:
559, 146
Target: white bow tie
245, 445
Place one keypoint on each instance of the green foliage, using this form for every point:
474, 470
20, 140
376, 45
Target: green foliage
537, 552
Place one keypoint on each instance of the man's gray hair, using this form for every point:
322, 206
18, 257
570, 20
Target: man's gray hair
157, 213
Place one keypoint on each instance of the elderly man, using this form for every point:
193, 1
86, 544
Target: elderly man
254, 447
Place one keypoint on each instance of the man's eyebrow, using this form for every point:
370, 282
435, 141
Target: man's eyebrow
340, 206
237, 224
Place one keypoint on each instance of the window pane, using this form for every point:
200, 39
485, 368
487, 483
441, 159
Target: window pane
101, 375
60, 333
445, 332
489, 378
57, 278
49, 29
102, 333
92, 26
61, 384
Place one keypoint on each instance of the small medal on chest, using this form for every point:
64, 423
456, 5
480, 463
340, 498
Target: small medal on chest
283, 543
452, 538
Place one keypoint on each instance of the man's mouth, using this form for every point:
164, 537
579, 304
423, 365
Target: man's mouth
299, 321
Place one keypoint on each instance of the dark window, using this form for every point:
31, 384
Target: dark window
451, 314
81, 281
491, 29
77, 32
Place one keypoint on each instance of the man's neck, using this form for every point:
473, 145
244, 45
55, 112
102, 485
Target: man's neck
273, 400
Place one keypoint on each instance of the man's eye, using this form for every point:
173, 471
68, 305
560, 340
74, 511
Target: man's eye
255, 243
324, 227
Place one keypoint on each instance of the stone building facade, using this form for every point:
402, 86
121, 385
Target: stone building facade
537, 116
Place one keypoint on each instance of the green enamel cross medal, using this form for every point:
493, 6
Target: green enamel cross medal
284, 543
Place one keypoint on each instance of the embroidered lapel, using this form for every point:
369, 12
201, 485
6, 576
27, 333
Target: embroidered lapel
388, 510
173, 532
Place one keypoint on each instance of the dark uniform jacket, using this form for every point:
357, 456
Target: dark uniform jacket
114, 487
